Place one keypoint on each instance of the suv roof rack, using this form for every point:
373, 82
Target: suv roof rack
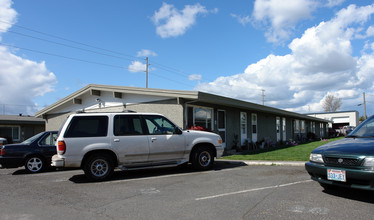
124, 111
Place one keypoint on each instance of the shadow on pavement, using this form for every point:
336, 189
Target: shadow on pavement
352, 194
157, 172
47, 170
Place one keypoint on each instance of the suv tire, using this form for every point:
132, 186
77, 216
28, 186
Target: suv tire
98, 167
202, 158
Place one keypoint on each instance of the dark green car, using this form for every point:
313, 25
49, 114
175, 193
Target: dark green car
346, 163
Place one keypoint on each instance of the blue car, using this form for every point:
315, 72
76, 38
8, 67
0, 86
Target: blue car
34, 153
348, 162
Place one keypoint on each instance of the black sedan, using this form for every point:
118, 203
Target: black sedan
34, 153
348, 162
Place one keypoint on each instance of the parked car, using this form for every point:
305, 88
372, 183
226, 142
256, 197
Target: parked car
99, 142
332, 133
34, 153
348, 130
348, 162
3, 141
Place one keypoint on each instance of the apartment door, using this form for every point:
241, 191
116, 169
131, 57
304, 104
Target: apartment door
284, 136
243, 127
221, 118
254, 127
278, 126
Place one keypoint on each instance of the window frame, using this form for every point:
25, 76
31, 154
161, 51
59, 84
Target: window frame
15, 129
176, 129
208, 125
72, 123
141, 120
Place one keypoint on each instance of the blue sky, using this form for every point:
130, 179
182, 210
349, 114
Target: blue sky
297, 51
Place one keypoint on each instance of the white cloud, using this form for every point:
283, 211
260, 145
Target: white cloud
136, 66
333, 3
243, 20
8, 15
370, 31
320, 61
280, 16
170, 22
195, 77
146, 53
22, 80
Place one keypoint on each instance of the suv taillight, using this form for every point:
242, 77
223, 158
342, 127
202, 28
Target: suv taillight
61, 147
2, 151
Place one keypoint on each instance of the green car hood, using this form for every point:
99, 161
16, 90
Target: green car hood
348, 146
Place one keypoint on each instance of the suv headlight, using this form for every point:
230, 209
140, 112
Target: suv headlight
316, 158
369, 162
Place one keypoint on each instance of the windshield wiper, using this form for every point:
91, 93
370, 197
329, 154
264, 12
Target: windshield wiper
352, 136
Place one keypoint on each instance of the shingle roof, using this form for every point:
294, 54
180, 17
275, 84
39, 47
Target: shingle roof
191, 95
18, 119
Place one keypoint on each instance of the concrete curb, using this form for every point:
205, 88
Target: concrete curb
268, 163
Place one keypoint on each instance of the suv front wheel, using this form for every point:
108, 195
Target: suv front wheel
98, 167
202, 158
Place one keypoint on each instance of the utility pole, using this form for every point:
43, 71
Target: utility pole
263, 96
363, 94
146, 72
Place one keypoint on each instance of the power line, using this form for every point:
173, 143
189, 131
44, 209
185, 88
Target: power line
65, 39
61, 56
122, 55
161, 66
66, 45
86, 61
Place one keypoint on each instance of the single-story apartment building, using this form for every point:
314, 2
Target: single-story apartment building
238, 122
17, 128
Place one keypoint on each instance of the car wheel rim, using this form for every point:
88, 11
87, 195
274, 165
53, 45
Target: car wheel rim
204, 158
34, 164
99, 167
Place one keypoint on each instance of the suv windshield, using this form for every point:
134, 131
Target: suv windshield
366, 129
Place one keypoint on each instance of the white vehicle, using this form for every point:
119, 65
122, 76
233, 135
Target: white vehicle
100, 142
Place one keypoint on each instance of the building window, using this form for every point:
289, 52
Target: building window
199, 117
12, 132
296, 126
302, 126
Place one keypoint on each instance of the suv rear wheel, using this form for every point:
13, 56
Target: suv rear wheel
98, 167
202, 158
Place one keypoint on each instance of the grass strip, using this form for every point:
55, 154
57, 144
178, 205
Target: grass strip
299, 152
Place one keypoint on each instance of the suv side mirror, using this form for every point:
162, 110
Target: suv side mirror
178, 130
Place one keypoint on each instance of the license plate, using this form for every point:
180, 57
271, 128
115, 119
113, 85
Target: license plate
336, 175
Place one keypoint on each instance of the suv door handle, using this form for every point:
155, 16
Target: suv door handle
153, 139
116, 140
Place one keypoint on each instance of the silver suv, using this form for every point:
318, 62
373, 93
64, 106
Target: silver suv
99, 142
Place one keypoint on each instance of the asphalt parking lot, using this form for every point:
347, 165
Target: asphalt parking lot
229, 191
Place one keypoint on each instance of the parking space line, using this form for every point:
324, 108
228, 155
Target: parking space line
153, 177
252, 190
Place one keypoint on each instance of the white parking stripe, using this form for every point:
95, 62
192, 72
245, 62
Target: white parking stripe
252, 190
153, 177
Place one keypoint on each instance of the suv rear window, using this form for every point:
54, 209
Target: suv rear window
88, 126
127, 125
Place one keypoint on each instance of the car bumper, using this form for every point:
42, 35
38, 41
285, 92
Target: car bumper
11, 162
355, 178
57, 161
219, 152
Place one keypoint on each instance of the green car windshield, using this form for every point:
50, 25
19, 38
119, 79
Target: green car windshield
366, 129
